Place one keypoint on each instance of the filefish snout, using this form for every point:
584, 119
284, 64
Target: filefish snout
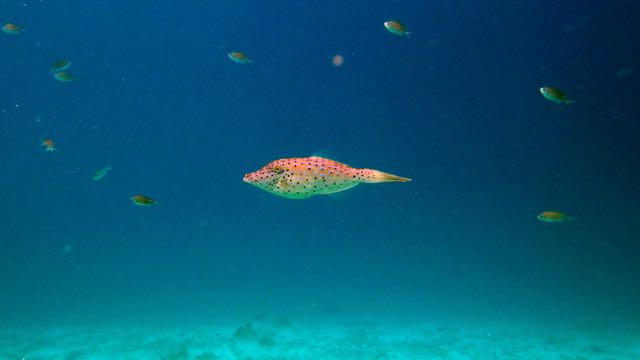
262, 175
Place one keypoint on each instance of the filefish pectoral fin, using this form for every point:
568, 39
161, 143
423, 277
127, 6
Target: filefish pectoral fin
282, 184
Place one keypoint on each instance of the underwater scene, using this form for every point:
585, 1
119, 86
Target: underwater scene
241, 179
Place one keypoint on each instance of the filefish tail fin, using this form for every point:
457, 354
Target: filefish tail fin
407, 33
375, 176
569, 101
571, 218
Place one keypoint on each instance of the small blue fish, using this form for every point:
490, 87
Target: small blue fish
99, 174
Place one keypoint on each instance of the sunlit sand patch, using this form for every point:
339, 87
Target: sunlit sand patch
290, 339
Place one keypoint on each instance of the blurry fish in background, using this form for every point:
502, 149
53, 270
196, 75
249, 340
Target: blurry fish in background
578, 25
626, 71
239, 57
67, 249
64, 76
142, 200
396, 27
301, 178
554, 216
556, 95
99, 174
12, 29
49, 145
60, 65
337, 60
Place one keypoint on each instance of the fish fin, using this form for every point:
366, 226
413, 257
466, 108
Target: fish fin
568, 102
329, 158
375, 176
339, 195
408, 33
322, 154
571, 218
282, 184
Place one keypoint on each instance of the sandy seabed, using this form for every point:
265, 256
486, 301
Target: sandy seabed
282, 338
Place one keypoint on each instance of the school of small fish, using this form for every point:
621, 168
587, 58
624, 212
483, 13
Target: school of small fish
302, 177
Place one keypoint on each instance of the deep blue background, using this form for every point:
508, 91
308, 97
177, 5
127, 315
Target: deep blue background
455, 107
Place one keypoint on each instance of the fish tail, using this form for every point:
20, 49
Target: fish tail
375, 176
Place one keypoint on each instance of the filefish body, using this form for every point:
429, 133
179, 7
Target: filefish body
301, 178
554, 216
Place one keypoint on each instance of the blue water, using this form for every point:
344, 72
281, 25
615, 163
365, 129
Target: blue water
455, 107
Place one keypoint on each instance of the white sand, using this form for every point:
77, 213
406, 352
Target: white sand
291, 339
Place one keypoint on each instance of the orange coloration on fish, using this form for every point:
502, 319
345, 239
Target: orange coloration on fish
395, 27
337, 60
12, 29
301, 178
48, 144
554, 216
143, 200
239, 57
